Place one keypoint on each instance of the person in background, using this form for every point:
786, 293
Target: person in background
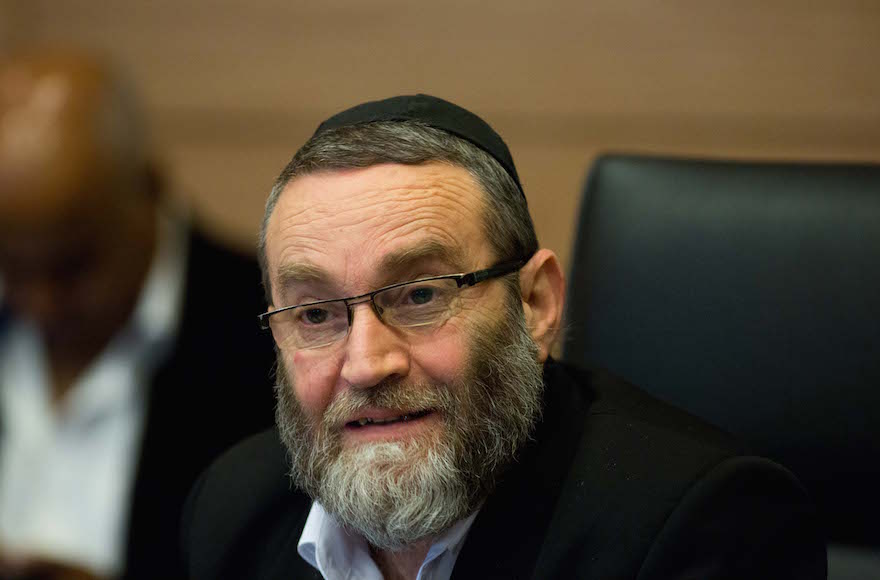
128, 353
424, 426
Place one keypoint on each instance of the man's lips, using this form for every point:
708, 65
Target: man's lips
385, 417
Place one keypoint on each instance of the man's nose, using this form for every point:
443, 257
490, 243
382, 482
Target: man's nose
373, 351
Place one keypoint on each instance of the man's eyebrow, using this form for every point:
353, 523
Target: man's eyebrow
400, 260
392, 264
300, 273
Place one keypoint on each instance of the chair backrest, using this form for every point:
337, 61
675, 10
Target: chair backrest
748, 294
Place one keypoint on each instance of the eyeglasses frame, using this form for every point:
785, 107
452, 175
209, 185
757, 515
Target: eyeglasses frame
469, 279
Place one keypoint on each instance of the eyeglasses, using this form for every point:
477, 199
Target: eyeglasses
423, 304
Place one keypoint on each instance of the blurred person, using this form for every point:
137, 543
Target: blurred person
426, 430
128, 352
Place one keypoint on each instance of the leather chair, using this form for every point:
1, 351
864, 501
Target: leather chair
749, 295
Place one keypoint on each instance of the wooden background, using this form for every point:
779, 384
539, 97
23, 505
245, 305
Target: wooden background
234, 88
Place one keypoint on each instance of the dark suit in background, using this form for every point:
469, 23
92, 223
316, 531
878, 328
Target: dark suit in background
615, 485
212, 390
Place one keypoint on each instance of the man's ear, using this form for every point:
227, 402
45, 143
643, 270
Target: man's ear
542, 285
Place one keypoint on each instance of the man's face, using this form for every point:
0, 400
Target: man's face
349, 232
469, 388
74, 273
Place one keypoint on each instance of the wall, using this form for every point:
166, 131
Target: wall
234, 88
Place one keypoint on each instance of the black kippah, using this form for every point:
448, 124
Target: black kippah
435, 113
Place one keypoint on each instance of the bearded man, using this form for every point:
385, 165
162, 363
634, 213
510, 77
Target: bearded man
425, 428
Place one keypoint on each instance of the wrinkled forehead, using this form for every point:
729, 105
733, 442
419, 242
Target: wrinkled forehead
351, 223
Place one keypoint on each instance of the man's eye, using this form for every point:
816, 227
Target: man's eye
315, 316
420, 296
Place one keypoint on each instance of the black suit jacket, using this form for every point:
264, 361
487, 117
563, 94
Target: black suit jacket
615, 484
211, 390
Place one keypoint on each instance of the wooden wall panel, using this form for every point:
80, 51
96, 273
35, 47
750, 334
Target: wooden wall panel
234, 88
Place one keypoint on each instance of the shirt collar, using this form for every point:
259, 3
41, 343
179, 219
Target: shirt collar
338, 553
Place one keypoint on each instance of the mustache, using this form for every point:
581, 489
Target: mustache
391, 395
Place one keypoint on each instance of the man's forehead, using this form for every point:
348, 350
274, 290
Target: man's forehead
387, 200
382, 215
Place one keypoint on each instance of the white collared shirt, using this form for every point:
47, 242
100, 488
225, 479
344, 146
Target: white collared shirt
67, 472
340, 555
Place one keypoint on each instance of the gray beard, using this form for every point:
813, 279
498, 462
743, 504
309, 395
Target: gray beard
398, 493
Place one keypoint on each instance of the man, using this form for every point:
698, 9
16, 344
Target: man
426, 429
126, 360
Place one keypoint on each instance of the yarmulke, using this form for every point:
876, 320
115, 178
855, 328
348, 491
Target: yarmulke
435, 113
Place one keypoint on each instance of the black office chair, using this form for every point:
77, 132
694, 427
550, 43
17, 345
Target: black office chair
748, 294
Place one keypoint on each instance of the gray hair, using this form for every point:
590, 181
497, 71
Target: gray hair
507, 223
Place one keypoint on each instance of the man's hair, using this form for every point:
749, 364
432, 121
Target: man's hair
506, 221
